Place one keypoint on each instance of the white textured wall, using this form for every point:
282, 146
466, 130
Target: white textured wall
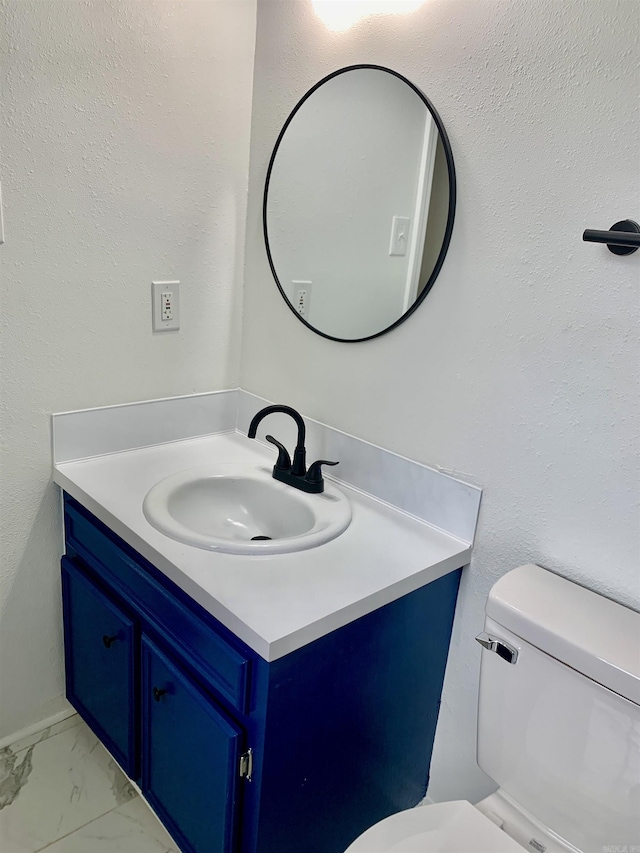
520, 370
125, 147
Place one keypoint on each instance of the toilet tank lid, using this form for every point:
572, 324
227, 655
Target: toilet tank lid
590, 633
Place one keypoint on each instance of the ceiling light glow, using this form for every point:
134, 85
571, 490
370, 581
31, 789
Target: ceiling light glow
340, 15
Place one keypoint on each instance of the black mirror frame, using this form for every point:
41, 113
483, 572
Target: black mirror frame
450, 215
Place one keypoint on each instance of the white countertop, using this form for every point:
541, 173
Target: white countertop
274, 603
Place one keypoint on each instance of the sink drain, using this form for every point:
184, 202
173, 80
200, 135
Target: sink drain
259, 538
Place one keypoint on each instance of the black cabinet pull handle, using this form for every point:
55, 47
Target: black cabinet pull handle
107, 641
158, 694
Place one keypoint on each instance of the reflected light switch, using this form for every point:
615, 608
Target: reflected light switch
399, 235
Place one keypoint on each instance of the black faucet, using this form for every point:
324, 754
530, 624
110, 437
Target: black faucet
293, 473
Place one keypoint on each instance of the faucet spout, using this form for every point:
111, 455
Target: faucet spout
292, 473
299, 466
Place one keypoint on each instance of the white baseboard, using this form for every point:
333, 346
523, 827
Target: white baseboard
37, 727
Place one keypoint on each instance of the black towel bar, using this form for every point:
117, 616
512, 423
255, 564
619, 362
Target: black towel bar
622, 239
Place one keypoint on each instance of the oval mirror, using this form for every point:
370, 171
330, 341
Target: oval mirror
359, 203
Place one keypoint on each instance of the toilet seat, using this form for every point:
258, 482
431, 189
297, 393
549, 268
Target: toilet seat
454, 827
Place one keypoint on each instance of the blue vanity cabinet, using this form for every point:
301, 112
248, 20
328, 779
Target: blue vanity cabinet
190, 756
351, 723
237, 754
101, 664
162, 684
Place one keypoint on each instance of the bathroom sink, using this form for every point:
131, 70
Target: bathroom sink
243, 510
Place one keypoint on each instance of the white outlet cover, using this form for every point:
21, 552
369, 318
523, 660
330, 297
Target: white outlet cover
297, 285
157, 289
399, 242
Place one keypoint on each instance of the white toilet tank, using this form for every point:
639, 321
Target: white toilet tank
559, 729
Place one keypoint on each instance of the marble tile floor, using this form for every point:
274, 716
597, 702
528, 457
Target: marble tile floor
61, 791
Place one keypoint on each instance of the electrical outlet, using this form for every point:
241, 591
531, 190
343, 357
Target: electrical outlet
165, 302
166, 305
301, 297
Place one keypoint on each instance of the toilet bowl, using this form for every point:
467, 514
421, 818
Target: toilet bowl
455, 827
558, 730
491, 826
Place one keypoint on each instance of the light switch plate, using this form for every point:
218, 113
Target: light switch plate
399, 242
1, 218
158, 288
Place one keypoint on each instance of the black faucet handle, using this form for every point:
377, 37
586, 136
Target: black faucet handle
314, 474
283, 462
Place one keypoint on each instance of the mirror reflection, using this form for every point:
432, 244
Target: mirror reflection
359, 203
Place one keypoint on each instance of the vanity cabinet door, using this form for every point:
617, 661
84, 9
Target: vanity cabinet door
190, 757
101, 664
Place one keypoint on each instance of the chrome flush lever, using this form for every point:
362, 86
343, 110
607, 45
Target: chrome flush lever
504, 650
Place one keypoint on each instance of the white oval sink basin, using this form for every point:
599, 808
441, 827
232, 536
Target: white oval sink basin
226, 507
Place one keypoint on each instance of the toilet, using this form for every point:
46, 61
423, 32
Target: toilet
558, 730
